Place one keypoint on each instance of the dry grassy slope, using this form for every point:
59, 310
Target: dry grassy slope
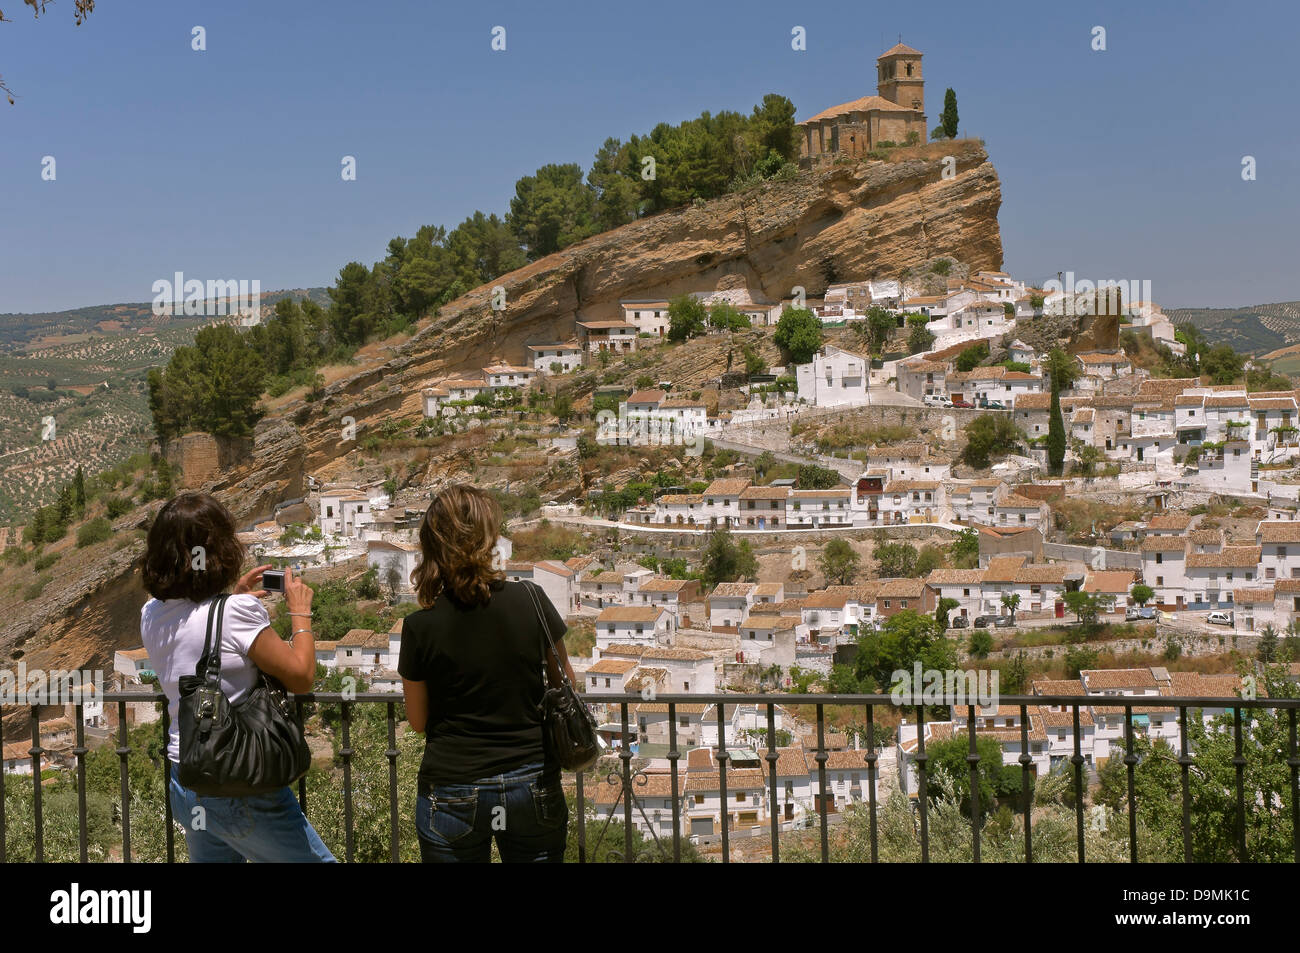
852, 221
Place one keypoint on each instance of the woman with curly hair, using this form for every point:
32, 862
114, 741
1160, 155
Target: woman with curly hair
471, 666
191, 558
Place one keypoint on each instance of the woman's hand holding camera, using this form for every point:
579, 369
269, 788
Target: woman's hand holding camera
298, 595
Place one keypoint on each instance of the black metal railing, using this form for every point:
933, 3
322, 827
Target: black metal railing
628, 779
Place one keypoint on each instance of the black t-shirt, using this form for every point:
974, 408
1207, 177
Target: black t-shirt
482, 666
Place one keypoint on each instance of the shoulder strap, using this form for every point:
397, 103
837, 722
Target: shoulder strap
209, 666
546, 630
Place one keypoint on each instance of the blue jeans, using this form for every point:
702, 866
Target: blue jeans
263, 828
524, 810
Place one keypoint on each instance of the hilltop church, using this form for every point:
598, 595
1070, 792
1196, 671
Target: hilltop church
857, 127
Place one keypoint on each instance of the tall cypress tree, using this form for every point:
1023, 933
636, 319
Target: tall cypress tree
1056, 433
949, 115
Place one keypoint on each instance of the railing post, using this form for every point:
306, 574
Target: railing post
1077, 761
1027, 801
973, 759
872, 772
38, 815
673, 755
580, 805
625, 756
123, 752
821, 758
1239, 763
345, 751
774, 806
1184, 766
724, 814
170, 836
391, 753
80, 753
1130, 763
923, 787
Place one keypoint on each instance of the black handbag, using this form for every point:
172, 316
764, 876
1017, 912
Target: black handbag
254, 746
568, 729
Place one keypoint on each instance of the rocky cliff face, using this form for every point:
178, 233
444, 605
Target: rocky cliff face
865, 220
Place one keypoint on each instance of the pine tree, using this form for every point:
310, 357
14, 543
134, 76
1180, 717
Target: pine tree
949, 115
64, 511
164, 485
79, 489
1056, 433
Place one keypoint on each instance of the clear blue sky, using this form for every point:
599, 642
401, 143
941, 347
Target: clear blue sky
1123, 164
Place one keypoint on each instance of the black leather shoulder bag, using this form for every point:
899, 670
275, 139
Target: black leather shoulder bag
236, 750
568, 730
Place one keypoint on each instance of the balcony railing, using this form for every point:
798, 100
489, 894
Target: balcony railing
871, 755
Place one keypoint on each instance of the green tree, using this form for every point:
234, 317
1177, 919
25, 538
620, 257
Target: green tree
1061, 368
943, 610
1222, 364
1079, 658
1015, 677
928, 559
94, 531
798, 334
1055, 432
970, 357
726, 317
812, 477
686, 317
1011, 602
552, 209
980, 643
212, 386
989, 436
895, 559
79, 489
948, 118
725, 561
839, 562
903, 639
877, 327
965, 549
1087, 456
1266, 651
919, 339
1142, 593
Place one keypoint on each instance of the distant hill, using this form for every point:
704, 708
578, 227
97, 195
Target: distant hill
1256, 329
84, 370
27, 331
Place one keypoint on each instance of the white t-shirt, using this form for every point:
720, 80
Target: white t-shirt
173, 631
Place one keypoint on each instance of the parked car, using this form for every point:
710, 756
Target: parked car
958, 622
997, 621
936, 400
959, 402
995, 405
1139, 612
1219, 618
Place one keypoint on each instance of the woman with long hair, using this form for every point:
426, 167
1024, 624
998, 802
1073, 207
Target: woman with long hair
192, 557
472, 671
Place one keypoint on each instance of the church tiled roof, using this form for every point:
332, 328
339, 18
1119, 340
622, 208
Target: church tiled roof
865, 104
